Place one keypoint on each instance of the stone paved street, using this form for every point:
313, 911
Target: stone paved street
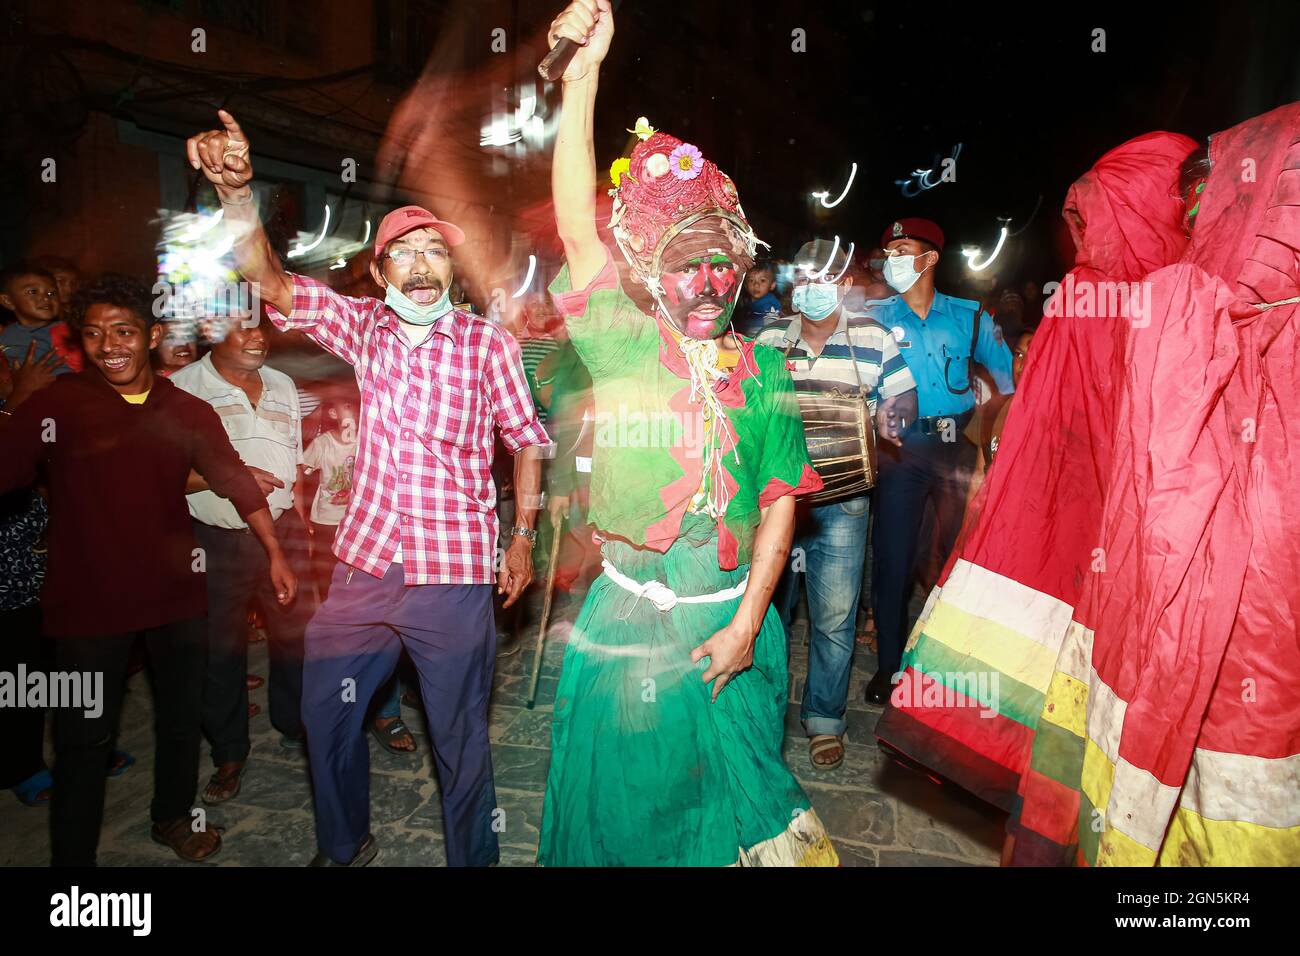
878, 813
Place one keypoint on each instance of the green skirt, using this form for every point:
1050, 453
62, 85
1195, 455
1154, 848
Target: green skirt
645, 769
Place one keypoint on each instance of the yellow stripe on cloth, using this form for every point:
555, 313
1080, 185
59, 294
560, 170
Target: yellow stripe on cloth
1066, 704
1116, 849
995, 645
1193, 840
1033, 615
803, 843
1098, 775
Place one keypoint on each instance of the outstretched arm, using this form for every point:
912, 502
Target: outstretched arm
590, 24
223, 155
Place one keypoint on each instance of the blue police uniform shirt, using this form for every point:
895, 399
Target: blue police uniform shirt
936, 350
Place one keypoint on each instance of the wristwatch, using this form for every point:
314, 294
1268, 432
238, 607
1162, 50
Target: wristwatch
528, 533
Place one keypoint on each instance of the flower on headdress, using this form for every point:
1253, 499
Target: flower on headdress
686, 161
617, 171
643, 128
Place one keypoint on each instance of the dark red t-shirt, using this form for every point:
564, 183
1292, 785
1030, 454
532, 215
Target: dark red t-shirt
122, 555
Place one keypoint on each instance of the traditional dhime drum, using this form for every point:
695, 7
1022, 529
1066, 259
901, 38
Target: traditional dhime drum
841, 443
841, 437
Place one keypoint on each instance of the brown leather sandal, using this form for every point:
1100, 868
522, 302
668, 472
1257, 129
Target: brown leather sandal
829, 745
226, 782
185, 842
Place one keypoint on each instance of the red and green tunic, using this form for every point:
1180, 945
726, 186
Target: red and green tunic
650, 453
646, 769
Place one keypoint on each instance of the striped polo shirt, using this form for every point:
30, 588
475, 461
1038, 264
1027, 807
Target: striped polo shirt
533, 351
882, 369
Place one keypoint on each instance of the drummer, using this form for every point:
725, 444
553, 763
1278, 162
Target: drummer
831, 350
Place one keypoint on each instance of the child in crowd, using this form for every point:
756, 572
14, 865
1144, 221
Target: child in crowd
760, 304
333, 454
32, 295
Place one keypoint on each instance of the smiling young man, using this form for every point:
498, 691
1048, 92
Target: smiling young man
417, 544
259, 408
117, 445
666, 738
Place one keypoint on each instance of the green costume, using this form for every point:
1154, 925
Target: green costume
645, 768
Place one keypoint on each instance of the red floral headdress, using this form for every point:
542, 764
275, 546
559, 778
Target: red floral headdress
664, 187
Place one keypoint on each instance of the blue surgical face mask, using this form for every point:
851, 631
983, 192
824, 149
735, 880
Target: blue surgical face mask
816, 300
413, 312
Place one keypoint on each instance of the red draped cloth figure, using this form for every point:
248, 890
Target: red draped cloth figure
1174, 705
980, 660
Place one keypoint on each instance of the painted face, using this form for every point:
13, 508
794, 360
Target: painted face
700, 295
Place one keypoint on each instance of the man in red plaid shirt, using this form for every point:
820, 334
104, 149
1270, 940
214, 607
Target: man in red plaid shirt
417, 543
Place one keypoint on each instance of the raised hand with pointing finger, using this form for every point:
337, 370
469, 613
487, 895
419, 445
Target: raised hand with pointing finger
222, 154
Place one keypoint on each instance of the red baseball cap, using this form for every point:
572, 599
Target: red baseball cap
401, 221
913, 229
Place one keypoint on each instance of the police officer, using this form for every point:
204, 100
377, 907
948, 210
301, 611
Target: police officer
938, 336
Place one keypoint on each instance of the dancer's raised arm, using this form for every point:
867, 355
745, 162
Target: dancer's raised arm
590, 24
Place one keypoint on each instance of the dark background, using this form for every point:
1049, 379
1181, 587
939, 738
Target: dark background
111, 89
890, 85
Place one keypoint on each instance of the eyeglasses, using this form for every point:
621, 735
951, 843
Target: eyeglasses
405, 257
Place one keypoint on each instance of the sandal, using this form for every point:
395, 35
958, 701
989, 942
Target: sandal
227, 780
387, 736
190, 846
35, 790
819, 744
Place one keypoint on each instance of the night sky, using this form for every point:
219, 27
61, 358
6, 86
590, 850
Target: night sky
892, 86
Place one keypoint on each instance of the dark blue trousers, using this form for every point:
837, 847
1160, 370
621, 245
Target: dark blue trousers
352, 647
925, 469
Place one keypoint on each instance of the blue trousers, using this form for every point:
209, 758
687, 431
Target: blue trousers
925, 469
352, 647
830, 541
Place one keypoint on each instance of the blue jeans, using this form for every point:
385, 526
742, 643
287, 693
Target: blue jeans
829, 545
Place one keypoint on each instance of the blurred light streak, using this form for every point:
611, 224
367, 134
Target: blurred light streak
831, 205
532, 268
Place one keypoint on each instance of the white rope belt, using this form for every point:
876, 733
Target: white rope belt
665, 598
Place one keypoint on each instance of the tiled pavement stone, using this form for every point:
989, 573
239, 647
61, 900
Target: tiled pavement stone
878, 813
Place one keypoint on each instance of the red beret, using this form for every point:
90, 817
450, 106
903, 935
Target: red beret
913, 229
